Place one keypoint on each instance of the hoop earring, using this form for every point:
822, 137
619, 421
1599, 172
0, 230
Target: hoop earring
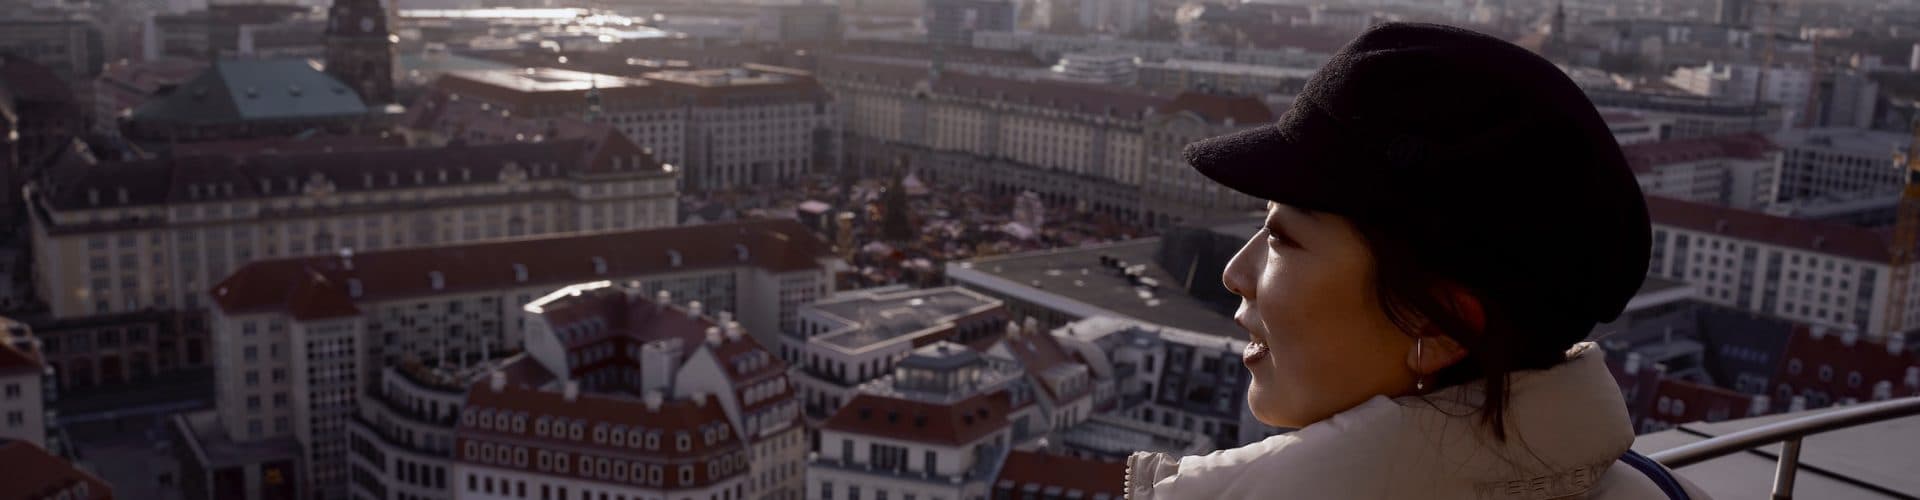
1420, 379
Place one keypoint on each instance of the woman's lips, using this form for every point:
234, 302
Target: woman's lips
1255, 351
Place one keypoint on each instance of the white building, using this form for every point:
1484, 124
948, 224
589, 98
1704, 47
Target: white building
1826, 161
1097, 68
403, 441
1820, 273
1176, 75
1634, 128
23, 395
939, 428
1167, 377
1739, 171
294, 339
1119, 17
857, 336
1814, 99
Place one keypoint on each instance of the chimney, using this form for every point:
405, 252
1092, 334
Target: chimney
1031, 325
1799, 404
693, 309
726, 317
1013, 330
1761, 405
657, 362
346, 258
661, 299
1883, 390
699, 399
1633, 363
1817, 331
733, 331
1896, 344
1848, 337
572, 391
498, 380
653, 400
713, 336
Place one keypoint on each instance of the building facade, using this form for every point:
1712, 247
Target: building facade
295, 338
858, 336
1825, 161
359, 50
727, 128
128, 237
23, 386
1740, 171
953, 22
72, 47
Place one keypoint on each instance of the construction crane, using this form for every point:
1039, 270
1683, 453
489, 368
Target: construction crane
1906, 237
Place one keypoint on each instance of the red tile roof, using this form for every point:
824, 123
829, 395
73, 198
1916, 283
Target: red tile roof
1808, 235
1872, 360
1645, 156
1039, 353
34, 474
1243, 110
1090, 477
315, 287
923, 422
1694, 402
13, 360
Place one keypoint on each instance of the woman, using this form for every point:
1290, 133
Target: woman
1449, 218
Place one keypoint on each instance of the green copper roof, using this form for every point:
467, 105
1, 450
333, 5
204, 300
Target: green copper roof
254, 90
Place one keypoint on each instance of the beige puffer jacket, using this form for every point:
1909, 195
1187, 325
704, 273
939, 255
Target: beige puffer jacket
1566, 429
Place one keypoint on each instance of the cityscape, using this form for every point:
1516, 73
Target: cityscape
845, 249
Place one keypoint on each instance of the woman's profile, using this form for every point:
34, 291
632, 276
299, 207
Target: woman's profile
1449, 218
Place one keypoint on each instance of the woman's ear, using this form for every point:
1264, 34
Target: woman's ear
1431, 353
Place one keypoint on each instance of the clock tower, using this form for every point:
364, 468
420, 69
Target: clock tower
360, 49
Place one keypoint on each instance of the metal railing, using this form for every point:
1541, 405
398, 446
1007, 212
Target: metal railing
1788, 433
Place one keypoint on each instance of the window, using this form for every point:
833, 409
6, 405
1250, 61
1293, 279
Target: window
13, 391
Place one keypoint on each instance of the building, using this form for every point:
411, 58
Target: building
34, 474
1739, 171
402, 441
800, 23
360, 49
940, 427
1168, 378
857, 336
72, 48
1112, 151
1825, 274
1180, 75
1040, 475
308, 331
1120, 280
1871, 208
1049, 46
1097, 69
726, 127
1811, 98
953, 22
131, 236
648, 398
43, 117
226, 31
24, 389
215, 466
252, 98
1826, 161
1120, 17
1693, 116
125, 85
105, 350
1634, 128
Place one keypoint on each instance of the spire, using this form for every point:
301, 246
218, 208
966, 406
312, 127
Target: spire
593, 99
1559, 21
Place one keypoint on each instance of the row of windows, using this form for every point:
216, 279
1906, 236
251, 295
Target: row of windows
576, 429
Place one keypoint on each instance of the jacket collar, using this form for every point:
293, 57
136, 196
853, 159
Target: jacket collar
1565, 425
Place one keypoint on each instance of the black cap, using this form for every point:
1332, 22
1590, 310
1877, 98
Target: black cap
1501, 165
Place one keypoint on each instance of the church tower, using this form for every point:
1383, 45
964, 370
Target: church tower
360, 49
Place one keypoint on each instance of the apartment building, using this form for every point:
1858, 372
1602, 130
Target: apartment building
402, 442
295, 338
127, 237
1116, 150
1167, 377
650, 399
1739, 171
1693, 116
1826, 161
858, 336
939, 428
727, 128
73, 48
1821, 273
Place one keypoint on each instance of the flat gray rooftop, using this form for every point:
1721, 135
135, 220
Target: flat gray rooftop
1077, 274
891, 316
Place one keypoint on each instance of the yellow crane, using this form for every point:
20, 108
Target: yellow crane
1906, 236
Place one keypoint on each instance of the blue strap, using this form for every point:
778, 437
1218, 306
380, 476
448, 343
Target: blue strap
1658, 474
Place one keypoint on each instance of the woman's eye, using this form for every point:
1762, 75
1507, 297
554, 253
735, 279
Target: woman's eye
1280, 238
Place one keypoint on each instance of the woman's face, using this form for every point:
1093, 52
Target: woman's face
1321, 341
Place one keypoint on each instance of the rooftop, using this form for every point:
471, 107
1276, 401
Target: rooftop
318, 287
1117, 437
34, 474
210, 443
1876, 143
235, 91
1643, 157
1077, 478
916, 421
878, 318
547, 79
1870, 461
1076, 282
1806, 235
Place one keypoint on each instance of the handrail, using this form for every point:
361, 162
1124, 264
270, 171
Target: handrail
1789, 433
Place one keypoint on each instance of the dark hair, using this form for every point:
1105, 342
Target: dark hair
1416, 290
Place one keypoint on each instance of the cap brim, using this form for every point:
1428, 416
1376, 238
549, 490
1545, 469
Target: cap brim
1272, 162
